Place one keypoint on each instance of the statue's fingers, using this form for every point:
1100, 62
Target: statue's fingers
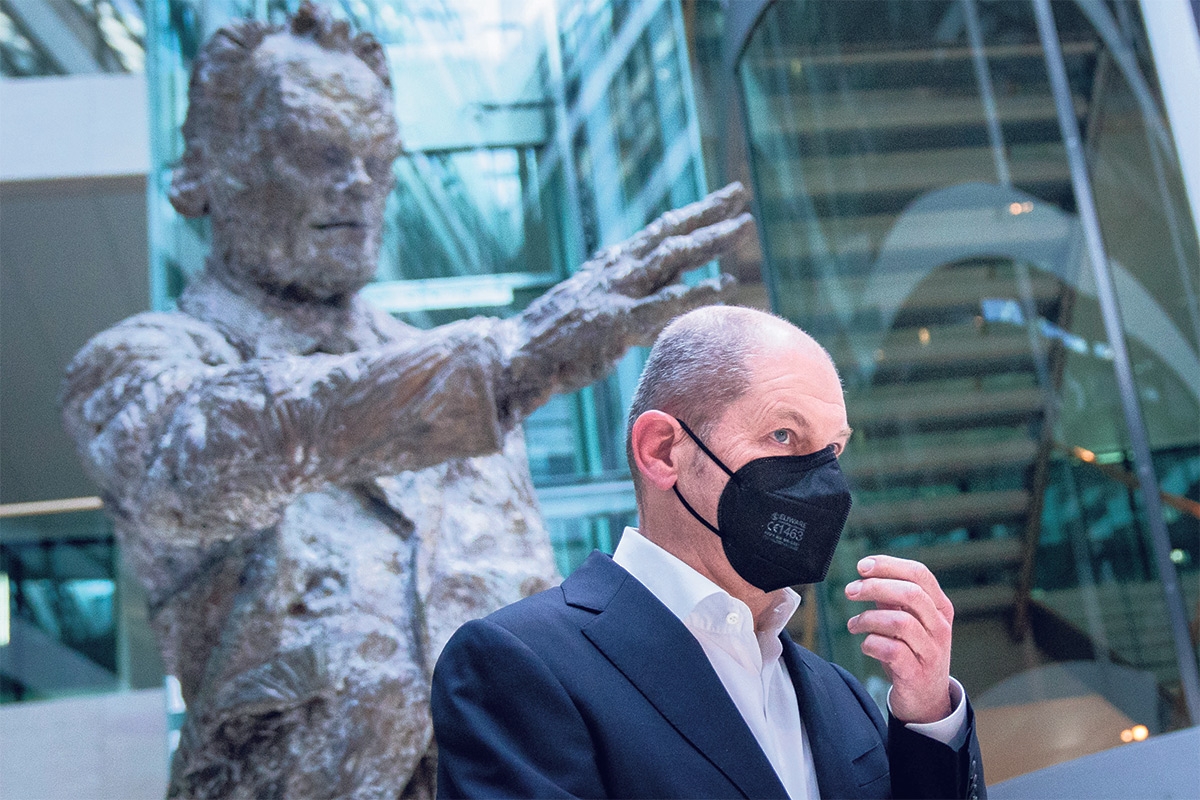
650, 315
678, 254
723, 204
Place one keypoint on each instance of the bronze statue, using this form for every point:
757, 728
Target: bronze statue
314, 494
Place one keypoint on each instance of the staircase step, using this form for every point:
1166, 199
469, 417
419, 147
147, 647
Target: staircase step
1130, 600
959, 556
935, 460
892, 60
936, 513
1134, 619
912, 171
892, 109
956, 350
958, 289
939, 410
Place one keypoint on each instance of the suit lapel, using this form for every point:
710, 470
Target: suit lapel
837, 747
659, 656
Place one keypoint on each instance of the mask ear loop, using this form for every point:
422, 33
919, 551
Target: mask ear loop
692, 511
716, 461
703, 447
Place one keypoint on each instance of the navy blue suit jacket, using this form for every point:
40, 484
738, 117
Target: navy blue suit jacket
595, 689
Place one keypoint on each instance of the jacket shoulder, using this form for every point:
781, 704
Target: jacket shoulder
585, 592
529, 614
550, 623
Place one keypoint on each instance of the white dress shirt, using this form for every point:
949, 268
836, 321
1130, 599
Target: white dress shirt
749, 663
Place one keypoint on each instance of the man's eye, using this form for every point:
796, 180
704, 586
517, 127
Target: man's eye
781, 436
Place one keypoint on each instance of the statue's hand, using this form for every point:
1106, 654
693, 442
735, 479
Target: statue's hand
574, 333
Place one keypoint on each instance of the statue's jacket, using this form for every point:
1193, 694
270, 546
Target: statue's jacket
314, 504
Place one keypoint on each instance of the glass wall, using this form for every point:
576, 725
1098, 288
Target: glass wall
71, 620
535, 133
71, 37
917, 216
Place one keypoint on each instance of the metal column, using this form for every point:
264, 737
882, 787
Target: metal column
1106, 293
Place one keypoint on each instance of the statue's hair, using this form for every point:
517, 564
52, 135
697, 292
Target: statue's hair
698, 366
223, 73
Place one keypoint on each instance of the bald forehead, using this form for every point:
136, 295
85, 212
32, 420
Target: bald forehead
757, 329
786, 344
773, 332
761, 337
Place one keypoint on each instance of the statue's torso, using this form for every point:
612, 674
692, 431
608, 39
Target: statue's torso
332, 609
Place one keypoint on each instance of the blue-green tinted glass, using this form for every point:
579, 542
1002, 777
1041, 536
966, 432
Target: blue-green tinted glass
58, 581
918, 217
71, 38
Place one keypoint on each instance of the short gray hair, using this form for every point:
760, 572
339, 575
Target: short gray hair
697, 367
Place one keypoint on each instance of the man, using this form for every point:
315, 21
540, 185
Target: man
314, 495
664, 671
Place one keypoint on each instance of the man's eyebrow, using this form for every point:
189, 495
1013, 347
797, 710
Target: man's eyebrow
800, 420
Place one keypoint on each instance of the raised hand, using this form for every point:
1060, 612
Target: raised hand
574, 333
908, 632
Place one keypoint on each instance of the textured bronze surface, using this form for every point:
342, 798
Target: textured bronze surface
315, 495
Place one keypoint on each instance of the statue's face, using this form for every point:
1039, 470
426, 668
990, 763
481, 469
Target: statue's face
303, 216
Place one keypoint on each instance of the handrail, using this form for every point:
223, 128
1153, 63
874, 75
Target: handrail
1051, 376
39, 508
1021, 619
1125, 477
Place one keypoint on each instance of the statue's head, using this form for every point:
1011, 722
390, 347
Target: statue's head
289, 143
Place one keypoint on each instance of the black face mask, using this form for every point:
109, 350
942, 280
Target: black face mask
779, 518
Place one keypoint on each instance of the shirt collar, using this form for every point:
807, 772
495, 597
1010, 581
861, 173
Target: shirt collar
681, 588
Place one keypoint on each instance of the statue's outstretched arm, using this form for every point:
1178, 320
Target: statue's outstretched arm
180, 434
574, 333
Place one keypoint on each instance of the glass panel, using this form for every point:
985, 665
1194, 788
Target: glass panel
917, 217
67, 37
575, 537
58, 592
71, 620
535, 133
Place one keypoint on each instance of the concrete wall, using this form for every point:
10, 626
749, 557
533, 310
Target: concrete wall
73, 256
85, 748
73, 261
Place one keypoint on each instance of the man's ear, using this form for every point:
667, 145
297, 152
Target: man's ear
188, 192
653, 438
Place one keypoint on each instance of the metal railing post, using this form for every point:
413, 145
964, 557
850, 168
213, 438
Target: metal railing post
1139, 441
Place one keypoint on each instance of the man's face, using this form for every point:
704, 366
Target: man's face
304, 216
793, 407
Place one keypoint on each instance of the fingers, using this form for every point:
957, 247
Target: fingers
908, 632
906, 596
649, 315
892, 623
903, 569
900, 642
892, 654
678, 254
723, 204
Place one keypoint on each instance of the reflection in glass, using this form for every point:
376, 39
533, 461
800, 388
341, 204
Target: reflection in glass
60, 578
917, 216
71, 37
